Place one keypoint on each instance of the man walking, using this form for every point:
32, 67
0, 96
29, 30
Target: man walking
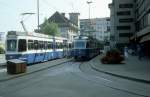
140, 51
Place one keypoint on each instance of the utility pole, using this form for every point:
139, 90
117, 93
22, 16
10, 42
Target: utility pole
38, 14
89, 2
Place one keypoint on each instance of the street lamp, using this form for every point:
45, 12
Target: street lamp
89, 2
23, 14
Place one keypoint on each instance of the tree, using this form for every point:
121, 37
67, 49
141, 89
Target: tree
49, 28
1, 50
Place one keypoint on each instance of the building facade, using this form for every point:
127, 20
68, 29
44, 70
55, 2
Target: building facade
85, 27
130, 22
99, 28
122, 21
142, 24
68, 28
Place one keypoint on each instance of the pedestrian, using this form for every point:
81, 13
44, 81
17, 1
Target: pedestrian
126, 52
139, 50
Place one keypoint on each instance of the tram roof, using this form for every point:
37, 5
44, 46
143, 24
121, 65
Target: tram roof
34, 34
81, 37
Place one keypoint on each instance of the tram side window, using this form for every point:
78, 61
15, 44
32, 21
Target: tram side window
49, 45
55, 45
35, 44
58, 46
30, 45
61, 45
40, 45
87, 45
45, 45
70, 45
22, 45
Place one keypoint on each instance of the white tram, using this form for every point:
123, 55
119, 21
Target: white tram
34, 47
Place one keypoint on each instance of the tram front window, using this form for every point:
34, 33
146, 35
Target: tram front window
79, 44
22, 45
11, 45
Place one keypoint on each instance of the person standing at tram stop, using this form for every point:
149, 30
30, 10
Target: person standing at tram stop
139, 51
125, 52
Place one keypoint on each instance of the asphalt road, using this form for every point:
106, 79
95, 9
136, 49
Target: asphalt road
72, 79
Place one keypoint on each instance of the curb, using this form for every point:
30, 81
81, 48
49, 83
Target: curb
28, 73
121, 76
2, 64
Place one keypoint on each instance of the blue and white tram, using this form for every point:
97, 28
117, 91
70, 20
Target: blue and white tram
33, 48
84, 48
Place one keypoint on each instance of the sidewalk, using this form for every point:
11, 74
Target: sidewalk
132, 68
2, 60
4, 76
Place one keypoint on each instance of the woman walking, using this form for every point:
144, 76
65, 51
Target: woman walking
126, 52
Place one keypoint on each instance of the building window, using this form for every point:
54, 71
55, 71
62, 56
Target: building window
137, 26
126, 20
125, 5
105, 32
125, 34
107, 19
120, 13
108, 28
123, 27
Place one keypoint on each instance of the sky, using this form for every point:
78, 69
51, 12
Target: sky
10, 11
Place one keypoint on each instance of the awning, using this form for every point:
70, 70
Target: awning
145, 38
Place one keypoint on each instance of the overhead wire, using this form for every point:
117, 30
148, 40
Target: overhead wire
50, 6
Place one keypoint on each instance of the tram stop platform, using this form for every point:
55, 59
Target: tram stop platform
132, 68
2, 60
4, 75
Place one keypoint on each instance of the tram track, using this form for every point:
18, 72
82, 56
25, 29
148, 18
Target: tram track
99, 80
75, 68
